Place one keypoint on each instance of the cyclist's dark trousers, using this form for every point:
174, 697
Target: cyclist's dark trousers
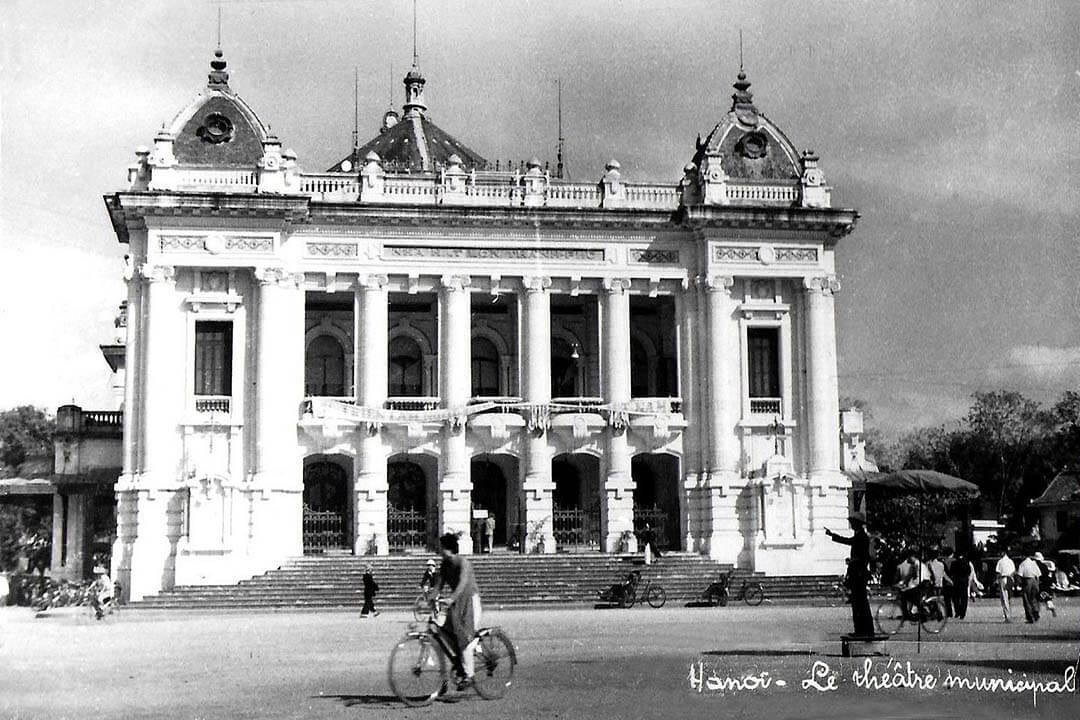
959, 599
1031, 599
860, 608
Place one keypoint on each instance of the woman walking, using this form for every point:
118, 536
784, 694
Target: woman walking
370, 588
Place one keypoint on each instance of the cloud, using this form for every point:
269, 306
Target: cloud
907, 409
1040, 364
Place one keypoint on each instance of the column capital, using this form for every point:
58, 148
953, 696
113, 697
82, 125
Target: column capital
157, 273
278, 276
716, 283
616, 285
536, 283
824, 284
374, 281
455, 283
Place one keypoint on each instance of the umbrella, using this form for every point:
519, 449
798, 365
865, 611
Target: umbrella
921, 483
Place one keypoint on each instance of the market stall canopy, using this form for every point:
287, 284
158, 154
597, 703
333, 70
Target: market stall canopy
920, 481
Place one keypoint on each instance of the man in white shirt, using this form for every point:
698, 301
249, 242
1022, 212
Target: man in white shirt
1029, 573
1004, 570
913, 573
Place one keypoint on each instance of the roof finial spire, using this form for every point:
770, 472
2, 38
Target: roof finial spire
219, 76
740, 52
356, 108
415, 56
560, 168
414, 81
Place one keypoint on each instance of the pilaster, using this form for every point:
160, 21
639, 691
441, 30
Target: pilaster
455, 499
538, 487
372, 318
617, 504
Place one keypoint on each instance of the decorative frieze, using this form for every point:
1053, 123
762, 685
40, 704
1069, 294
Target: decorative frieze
765, 254
332, 249
655, 257
480, 253
215, 244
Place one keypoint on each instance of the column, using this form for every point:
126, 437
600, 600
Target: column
455, 386
279, 392
163, 384
823, 405
722, 404
830, 488
617, 504
686, 314
371, 339
131, 374
538, 487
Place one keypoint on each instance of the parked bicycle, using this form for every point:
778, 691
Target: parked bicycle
650, 593
418, 670
928, 611
718, 592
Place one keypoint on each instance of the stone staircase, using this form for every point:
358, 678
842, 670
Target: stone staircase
334, 581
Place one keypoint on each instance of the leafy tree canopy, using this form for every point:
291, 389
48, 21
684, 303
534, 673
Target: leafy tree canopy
24, 431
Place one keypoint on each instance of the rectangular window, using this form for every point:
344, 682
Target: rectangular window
764, 362
213, 358
1062, 521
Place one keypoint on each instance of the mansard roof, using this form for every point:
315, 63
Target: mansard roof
750, 145
217, 127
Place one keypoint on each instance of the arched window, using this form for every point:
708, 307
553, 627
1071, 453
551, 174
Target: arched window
485, 368
639, 369
406, 367
564, 369
325, 364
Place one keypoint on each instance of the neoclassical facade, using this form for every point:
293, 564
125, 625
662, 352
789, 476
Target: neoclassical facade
418, 340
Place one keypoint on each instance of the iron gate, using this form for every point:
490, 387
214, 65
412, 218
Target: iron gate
657, 520
323, 530
576, 528
406, 529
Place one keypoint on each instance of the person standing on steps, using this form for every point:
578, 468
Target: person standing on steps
489, 531
648, 540
462, 604
858, 573
370, 588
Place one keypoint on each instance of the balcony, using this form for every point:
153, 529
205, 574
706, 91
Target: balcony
412, 403
766, 406
213, 404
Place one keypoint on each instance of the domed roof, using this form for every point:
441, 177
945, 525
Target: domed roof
750, 146
411, 142
217, 128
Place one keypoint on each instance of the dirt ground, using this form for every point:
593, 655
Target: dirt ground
676, 662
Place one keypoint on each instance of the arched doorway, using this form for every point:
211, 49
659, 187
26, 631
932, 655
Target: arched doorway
407, 506
491, 493
325, 367
327, 510
656, 497
576, 501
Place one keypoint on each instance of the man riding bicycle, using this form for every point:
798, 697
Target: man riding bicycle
462, 604
913, 582
101, 592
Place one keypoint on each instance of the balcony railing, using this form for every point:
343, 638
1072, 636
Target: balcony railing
766, 406
213, 404
412, 403
655, 405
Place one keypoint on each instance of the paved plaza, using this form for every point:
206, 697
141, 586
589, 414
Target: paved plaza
675, 662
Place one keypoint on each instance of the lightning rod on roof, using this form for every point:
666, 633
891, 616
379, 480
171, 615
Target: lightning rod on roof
560, 167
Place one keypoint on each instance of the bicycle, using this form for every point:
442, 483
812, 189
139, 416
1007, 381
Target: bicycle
651, 593
929, 612
418, 663
427, 603
717, 593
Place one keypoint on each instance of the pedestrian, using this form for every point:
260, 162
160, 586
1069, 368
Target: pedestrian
858, 573
1046, 582
489, 531
370, 588
462, 604
1029, 573
427, 581
939, 563
960, 570
648, 540
1004, 570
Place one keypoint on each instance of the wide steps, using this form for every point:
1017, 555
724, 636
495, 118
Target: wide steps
504, 579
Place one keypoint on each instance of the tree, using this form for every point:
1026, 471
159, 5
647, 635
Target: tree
24, 431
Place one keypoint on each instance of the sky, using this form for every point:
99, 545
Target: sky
953, 128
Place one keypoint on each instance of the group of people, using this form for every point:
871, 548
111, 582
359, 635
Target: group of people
1035, 577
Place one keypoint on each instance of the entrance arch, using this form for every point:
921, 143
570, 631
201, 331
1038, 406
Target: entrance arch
409, 502
656, 497
327, 511
576, 501
493, 483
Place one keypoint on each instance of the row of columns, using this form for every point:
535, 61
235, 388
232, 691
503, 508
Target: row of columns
709, 344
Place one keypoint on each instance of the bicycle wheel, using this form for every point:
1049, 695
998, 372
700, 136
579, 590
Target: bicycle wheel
754, 595
417, 669
494, 659
933, 615
656, 597
889, 617
421, 608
